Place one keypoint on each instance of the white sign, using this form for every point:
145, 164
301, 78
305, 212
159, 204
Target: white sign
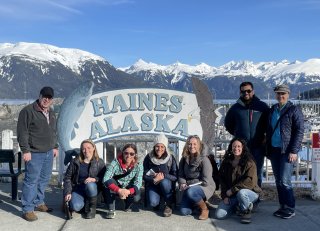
126, 112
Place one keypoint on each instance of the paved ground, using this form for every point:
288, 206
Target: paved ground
307, 218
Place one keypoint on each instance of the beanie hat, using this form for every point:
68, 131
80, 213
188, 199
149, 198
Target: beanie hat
161, 139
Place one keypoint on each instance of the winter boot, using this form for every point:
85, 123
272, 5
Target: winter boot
90, 209
204, 210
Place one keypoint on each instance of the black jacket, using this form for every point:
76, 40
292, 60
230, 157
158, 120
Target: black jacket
71, 178
170, 172
248, 122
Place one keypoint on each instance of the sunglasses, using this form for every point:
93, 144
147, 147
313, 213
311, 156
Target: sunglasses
281, 93
246, 91
129, 153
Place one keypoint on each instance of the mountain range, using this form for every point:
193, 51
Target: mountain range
26, 67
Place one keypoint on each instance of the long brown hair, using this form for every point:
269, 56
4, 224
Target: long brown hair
95, 152
186, 153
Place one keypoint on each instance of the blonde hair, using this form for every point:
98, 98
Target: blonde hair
95, 152
186, 153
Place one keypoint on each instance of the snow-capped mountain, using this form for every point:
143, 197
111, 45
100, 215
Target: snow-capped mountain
223, 80
26, 67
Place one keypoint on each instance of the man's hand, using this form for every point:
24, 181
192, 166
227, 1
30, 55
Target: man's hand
27, 156
55, 152
293, 157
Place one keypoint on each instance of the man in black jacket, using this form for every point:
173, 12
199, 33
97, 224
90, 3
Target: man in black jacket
36, 133
247, 119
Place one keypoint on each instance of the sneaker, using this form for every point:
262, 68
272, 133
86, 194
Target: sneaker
287, 213
167, 211
43, 208
30, 216
111, 214
246, 218
278, 213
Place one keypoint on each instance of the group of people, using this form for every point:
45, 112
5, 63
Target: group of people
258, 132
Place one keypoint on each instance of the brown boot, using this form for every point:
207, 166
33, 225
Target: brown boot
30, 216
204, 210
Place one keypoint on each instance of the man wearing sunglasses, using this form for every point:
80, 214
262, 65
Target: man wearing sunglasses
284, 138
247, 119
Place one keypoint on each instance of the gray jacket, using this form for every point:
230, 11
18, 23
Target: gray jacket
200, 169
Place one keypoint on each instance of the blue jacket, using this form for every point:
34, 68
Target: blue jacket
248, 122
291, 128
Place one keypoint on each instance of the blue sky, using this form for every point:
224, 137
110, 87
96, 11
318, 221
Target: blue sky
167, 31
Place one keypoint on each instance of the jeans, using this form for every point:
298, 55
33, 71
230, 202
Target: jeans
37, 176
190, 197
80, 193
243, 199
258, 154
282, 171
163, 189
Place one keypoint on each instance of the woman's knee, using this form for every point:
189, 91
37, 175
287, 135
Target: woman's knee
76, 205
91, 189
221, 214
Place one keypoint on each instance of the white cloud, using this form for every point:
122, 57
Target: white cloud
50, 9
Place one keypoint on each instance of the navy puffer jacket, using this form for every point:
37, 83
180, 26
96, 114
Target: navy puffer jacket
248, 122
291, 128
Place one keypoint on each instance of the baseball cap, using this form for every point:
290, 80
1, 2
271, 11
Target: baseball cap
47, 91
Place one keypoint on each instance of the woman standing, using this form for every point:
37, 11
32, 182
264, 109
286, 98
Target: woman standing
160, 175
123, 178
239, 182
83, 178
195, 177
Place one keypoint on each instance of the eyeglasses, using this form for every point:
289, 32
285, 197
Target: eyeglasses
281, 93
246, 91
129, 153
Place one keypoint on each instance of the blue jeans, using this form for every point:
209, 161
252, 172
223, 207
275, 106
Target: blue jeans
163, 189
243, 198
37, 176
282, 171
80, 193
258, 155
190, 197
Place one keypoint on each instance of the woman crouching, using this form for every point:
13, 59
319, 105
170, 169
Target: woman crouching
83, 178
123, 178
195, 177
239, 182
